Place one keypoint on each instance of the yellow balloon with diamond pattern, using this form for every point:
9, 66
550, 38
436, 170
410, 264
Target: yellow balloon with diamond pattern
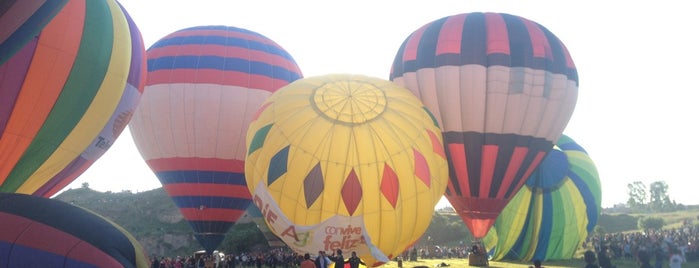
346, 162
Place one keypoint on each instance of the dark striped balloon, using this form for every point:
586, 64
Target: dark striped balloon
503, 89
204, 85
41, 232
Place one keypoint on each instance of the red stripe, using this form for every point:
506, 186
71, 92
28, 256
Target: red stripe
458, 162
209, 164
26, 232
222, 51
211, 76
207, 189
410, 52
489, 157
497, 37
449, 40
537, 160
540, 44
515, 164
211, 214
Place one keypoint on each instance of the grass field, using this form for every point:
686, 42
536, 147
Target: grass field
455, 263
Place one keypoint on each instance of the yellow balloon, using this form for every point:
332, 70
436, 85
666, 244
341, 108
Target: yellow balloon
346, 162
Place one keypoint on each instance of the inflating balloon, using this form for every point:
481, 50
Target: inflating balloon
42, 232
22, 20
67, 95
204, 85
346, 162
503, 89
552, 215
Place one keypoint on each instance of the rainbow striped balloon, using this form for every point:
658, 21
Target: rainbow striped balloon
204, 86
554, 212
21, 20
67, 95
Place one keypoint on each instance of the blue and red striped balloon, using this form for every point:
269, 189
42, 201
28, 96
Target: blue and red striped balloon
203, 88
42, 232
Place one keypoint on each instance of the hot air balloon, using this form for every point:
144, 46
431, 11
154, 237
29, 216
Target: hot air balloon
42, 232
346, 162
552, 215
203, 87
67, 95
502, 88
21, 21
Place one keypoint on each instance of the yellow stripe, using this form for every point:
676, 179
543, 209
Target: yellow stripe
99, 112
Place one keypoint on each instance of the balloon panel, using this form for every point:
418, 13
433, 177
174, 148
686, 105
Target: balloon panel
346, 162
554, 212
503, 88
62, 90
135, 82
42, 232
204, 85
21, 20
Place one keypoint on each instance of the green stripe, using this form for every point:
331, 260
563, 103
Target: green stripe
259, 138
83, 83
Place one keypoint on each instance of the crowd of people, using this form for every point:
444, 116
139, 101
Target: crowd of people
656, 246
275, 258
672, 246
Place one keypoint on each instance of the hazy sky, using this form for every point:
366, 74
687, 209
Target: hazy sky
636, 113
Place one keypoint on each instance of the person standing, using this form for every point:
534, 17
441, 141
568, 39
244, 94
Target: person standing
307, 262
590, 259
676, 259
322, 261
338, 259
355, 261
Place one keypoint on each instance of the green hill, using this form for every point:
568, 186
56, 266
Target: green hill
152, 218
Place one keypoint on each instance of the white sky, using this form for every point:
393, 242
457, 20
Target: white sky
637, 103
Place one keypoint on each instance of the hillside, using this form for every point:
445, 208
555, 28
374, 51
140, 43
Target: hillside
154, 220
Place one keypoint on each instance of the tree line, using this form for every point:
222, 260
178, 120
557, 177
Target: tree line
654, 198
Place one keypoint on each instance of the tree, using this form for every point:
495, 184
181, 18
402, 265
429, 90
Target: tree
654, 223
637, 195
86, 185
659, 199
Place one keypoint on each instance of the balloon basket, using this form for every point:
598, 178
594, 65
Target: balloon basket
478, 260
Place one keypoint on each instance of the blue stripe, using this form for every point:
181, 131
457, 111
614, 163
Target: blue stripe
196, 201
199, 176
223, 64
30, 28
222, 41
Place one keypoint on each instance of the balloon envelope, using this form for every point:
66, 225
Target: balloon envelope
22, 20
42, 232
346, 162
552, 215
503, 89
204, 85
67, 95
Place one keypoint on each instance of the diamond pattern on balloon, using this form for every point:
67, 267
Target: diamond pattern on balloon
277, 165
259, 138
422, 170
437, 146
389, 185
313, 185
351, 192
